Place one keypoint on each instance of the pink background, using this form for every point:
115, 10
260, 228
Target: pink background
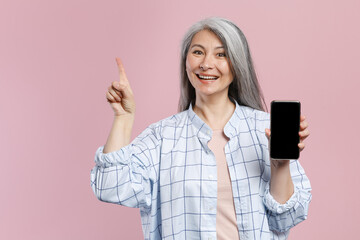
57, 59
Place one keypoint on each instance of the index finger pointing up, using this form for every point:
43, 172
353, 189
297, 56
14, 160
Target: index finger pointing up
122, 74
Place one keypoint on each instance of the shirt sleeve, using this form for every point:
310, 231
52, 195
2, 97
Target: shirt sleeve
126, 176
282, 217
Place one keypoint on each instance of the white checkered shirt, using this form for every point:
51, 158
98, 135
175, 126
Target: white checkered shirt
169, 172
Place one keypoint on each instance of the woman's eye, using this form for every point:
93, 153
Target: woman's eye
221, 54
197, 52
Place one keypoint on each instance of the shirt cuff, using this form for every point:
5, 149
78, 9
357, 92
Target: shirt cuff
276, 207
121, 156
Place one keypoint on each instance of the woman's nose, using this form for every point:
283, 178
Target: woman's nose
207, 63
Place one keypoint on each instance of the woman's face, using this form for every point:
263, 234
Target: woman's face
207, 66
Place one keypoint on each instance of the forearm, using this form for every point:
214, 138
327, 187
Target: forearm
281, 184
120, 133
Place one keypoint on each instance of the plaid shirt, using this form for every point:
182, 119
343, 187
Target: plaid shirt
169, 172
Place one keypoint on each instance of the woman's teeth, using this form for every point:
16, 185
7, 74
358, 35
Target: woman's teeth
207, 77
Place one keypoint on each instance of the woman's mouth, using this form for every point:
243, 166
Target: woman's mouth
206, 79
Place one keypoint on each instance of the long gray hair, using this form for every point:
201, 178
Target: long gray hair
245, 88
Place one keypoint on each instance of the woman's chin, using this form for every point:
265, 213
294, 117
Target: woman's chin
207, 93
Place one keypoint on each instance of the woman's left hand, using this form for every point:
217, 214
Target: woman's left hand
303, 133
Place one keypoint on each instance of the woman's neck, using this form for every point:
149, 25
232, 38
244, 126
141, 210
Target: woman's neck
215, 113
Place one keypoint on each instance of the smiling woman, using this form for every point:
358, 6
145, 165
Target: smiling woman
230, 46
205, 172
207, 66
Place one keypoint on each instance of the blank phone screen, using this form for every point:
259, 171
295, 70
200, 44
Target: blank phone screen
285, 124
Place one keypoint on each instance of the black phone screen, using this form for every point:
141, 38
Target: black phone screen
284, 126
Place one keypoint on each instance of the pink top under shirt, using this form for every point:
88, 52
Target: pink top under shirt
226, 227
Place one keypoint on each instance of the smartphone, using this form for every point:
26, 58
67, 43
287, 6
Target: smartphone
284, 126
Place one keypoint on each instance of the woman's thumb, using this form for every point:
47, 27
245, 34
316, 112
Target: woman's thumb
267, 133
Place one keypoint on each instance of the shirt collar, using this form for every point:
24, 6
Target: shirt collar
231, 128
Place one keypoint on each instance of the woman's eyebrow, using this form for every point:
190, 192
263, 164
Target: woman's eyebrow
199, 45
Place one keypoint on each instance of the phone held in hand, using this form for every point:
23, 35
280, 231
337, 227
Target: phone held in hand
284, 126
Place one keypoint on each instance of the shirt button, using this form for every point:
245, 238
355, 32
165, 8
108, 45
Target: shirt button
208, 132
211, 208
210, 238
211, 176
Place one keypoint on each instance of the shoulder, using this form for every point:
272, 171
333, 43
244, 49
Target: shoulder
169, 124
258, 118
255, 114
171, 121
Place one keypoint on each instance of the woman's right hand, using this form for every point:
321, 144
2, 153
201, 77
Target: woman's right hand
120, 95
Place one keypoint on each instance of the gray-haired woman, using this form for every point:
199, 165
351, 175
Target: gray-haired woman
205, 172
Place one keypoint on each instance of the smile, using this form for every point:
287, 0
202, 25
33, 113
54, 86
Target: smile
202, 77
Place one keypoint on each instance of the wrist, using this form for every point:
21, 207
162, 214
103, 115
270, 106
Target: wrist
125, 117
279, 164
125, 123
281, 185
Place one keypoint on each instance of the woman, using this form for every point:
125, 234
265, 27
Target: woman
205, 172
